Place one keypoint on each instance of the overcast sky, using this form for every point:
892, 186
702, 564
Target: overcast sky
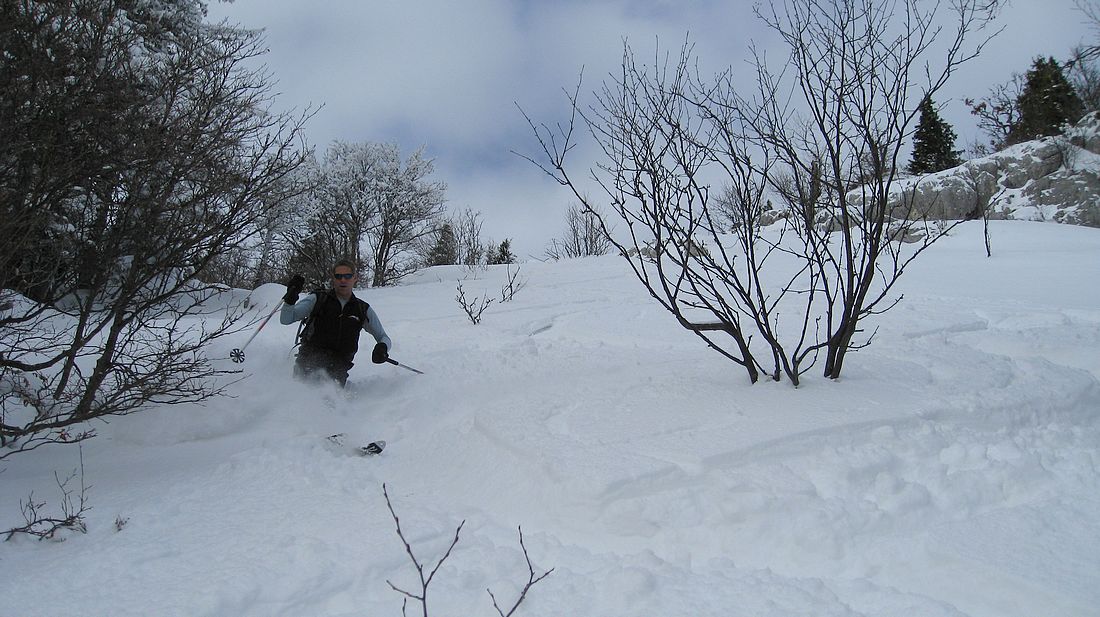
448, 75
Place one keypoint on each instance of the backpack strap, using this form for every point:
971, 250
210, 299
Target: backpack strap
305, 327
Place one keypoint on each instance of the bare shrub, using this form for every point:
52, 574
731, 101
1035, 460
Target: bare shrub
984, 186
584, 236
532, 579
825, 133
471, 250
47, 527
425, 576
513, 286
473, 307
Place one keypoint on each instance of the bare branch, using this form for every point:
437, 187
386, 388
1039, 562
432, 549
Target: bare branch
110, 230
473, 308
425, 579
823, 136
531, 581
46, 527
513, 286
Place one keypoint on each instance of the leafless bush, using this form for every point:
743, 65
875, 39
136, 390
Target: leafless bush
46, 527
584, 235
984, 186
425, 576
474, 308
468, 242
532, 579
998, 111
822, 123
473, 271
513, 286
1067, 151
233, 269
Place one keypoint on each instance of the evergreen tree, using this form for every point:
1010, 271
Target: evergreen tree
503, 254
1047, 102
933, 143
445, 251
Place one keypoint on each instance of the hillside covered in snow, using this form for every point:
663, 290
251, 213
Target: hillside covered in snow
953, 471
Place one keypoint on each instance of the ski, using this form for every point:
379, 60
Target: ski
373, 448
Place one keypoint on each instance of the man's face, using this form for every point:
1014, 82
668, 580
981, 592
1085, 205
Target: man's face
343, 280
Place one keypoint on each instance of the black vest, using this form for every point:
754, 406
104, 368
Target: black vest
334, 328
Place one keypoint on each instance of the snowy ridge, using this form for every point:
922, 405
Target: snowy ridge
953, 471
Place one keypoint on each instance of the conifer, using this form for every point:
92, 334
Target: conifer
445, 251
503, 254
1047, 103
933, 142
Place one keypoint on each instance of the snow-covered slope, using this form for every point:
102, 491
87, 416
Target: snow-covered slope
952, 471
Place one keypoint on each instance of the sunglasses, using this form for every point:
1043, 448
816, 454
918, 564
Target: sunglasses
347, 276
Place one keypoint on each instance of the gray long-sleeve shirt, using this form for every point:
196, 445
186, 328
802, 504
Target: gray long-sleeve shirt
300, 310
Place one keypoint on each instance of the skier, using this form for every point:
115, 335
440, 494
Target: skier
334, 318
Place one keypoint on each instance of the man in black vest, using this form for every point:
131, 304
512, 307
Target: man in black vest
334, 318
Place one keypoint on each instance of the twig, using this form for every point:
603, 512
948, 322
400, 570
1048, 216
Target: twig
72, 515
475, 308
531, 580
512, 287
425, 581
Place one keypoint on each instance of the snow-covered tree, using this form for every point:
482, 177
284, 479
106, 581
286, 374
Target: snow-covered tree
137, 147
370, 206
406, 203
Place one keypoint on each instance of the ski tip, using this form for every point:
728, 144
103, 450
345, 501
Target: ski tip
373, 449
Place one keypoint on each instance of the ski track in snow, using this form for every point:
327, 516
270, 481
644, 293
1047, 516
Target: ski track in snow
953, 471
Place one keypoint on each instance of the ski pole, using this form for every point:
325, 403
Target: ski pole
407, 368
237, 355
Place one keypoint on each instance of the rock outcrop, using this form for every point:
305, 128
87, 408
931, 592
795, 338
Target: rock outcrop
1050, 179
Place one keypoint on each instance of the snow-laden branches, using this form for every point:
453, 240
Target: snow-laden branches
138, 149
369, 205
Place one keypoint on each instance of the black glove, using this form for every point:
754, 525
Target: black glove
293, 288
381, 353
